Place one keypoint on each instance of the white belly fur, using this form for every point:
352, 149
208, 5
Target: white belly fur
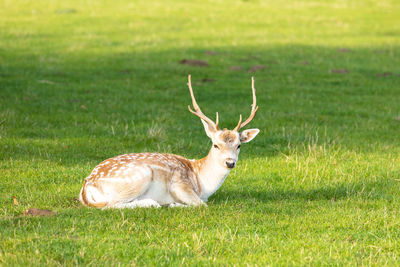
158, 192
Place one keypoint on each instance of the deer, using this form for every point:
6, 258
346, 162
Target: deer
157, 179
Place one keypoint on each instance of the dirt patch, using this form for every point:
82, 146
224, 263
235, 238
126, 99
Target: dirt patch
340, 71
257, 68
126, 71
194, 62
305, 63
235, 68
38, 212
343, 50
384, 74
207, 80
210, 53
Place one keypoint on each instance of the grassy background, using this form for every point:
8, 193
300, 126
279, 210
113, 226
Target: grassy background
81, 81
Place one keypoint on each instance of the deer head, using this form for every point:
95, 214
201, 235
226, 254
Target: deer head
226, 143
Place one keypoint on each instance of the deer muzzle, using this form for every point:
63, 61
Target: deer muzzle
230, 163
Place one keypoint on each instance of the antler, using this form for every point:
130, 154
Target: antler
198, 112
254, 109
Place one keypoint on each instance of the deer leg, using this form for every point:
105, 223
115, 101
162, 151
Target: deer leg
184, 194
143, 203
177, 205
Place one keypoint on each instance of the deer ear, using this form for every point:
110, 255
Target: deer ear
248, 135
210, 131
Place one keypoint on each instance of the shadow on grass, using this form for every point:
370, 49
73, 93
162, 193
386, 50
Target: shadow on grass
133, 102
371, 190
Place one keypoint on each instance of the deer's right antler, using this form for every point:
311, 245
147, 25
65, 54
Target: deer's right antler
198, 112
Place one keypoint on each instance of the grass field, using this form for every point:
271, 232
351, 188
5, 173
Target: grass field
82, 81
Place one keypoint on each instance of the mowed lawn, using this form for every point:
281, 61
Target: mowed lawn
82, 81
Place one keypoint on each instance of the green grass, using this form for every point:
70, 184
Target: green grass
81, 81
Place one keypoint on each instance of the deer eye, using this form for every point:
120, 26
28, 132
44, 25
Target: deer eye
216, 146
238, 147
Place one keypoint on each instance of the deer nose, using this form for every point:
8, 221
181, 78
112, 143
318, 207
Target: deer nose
230, 164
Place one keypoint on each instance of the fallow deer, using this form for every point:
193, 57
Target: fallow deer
154, 179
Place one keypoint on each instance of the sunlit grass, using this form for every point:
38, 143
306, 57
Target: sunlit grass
81, 81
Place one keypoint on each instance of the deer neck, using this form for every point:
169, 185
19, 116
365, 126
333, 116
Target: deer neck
211, 175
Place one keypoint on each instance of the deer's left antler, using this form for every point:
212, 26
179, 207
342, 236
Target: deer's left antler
254, 109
